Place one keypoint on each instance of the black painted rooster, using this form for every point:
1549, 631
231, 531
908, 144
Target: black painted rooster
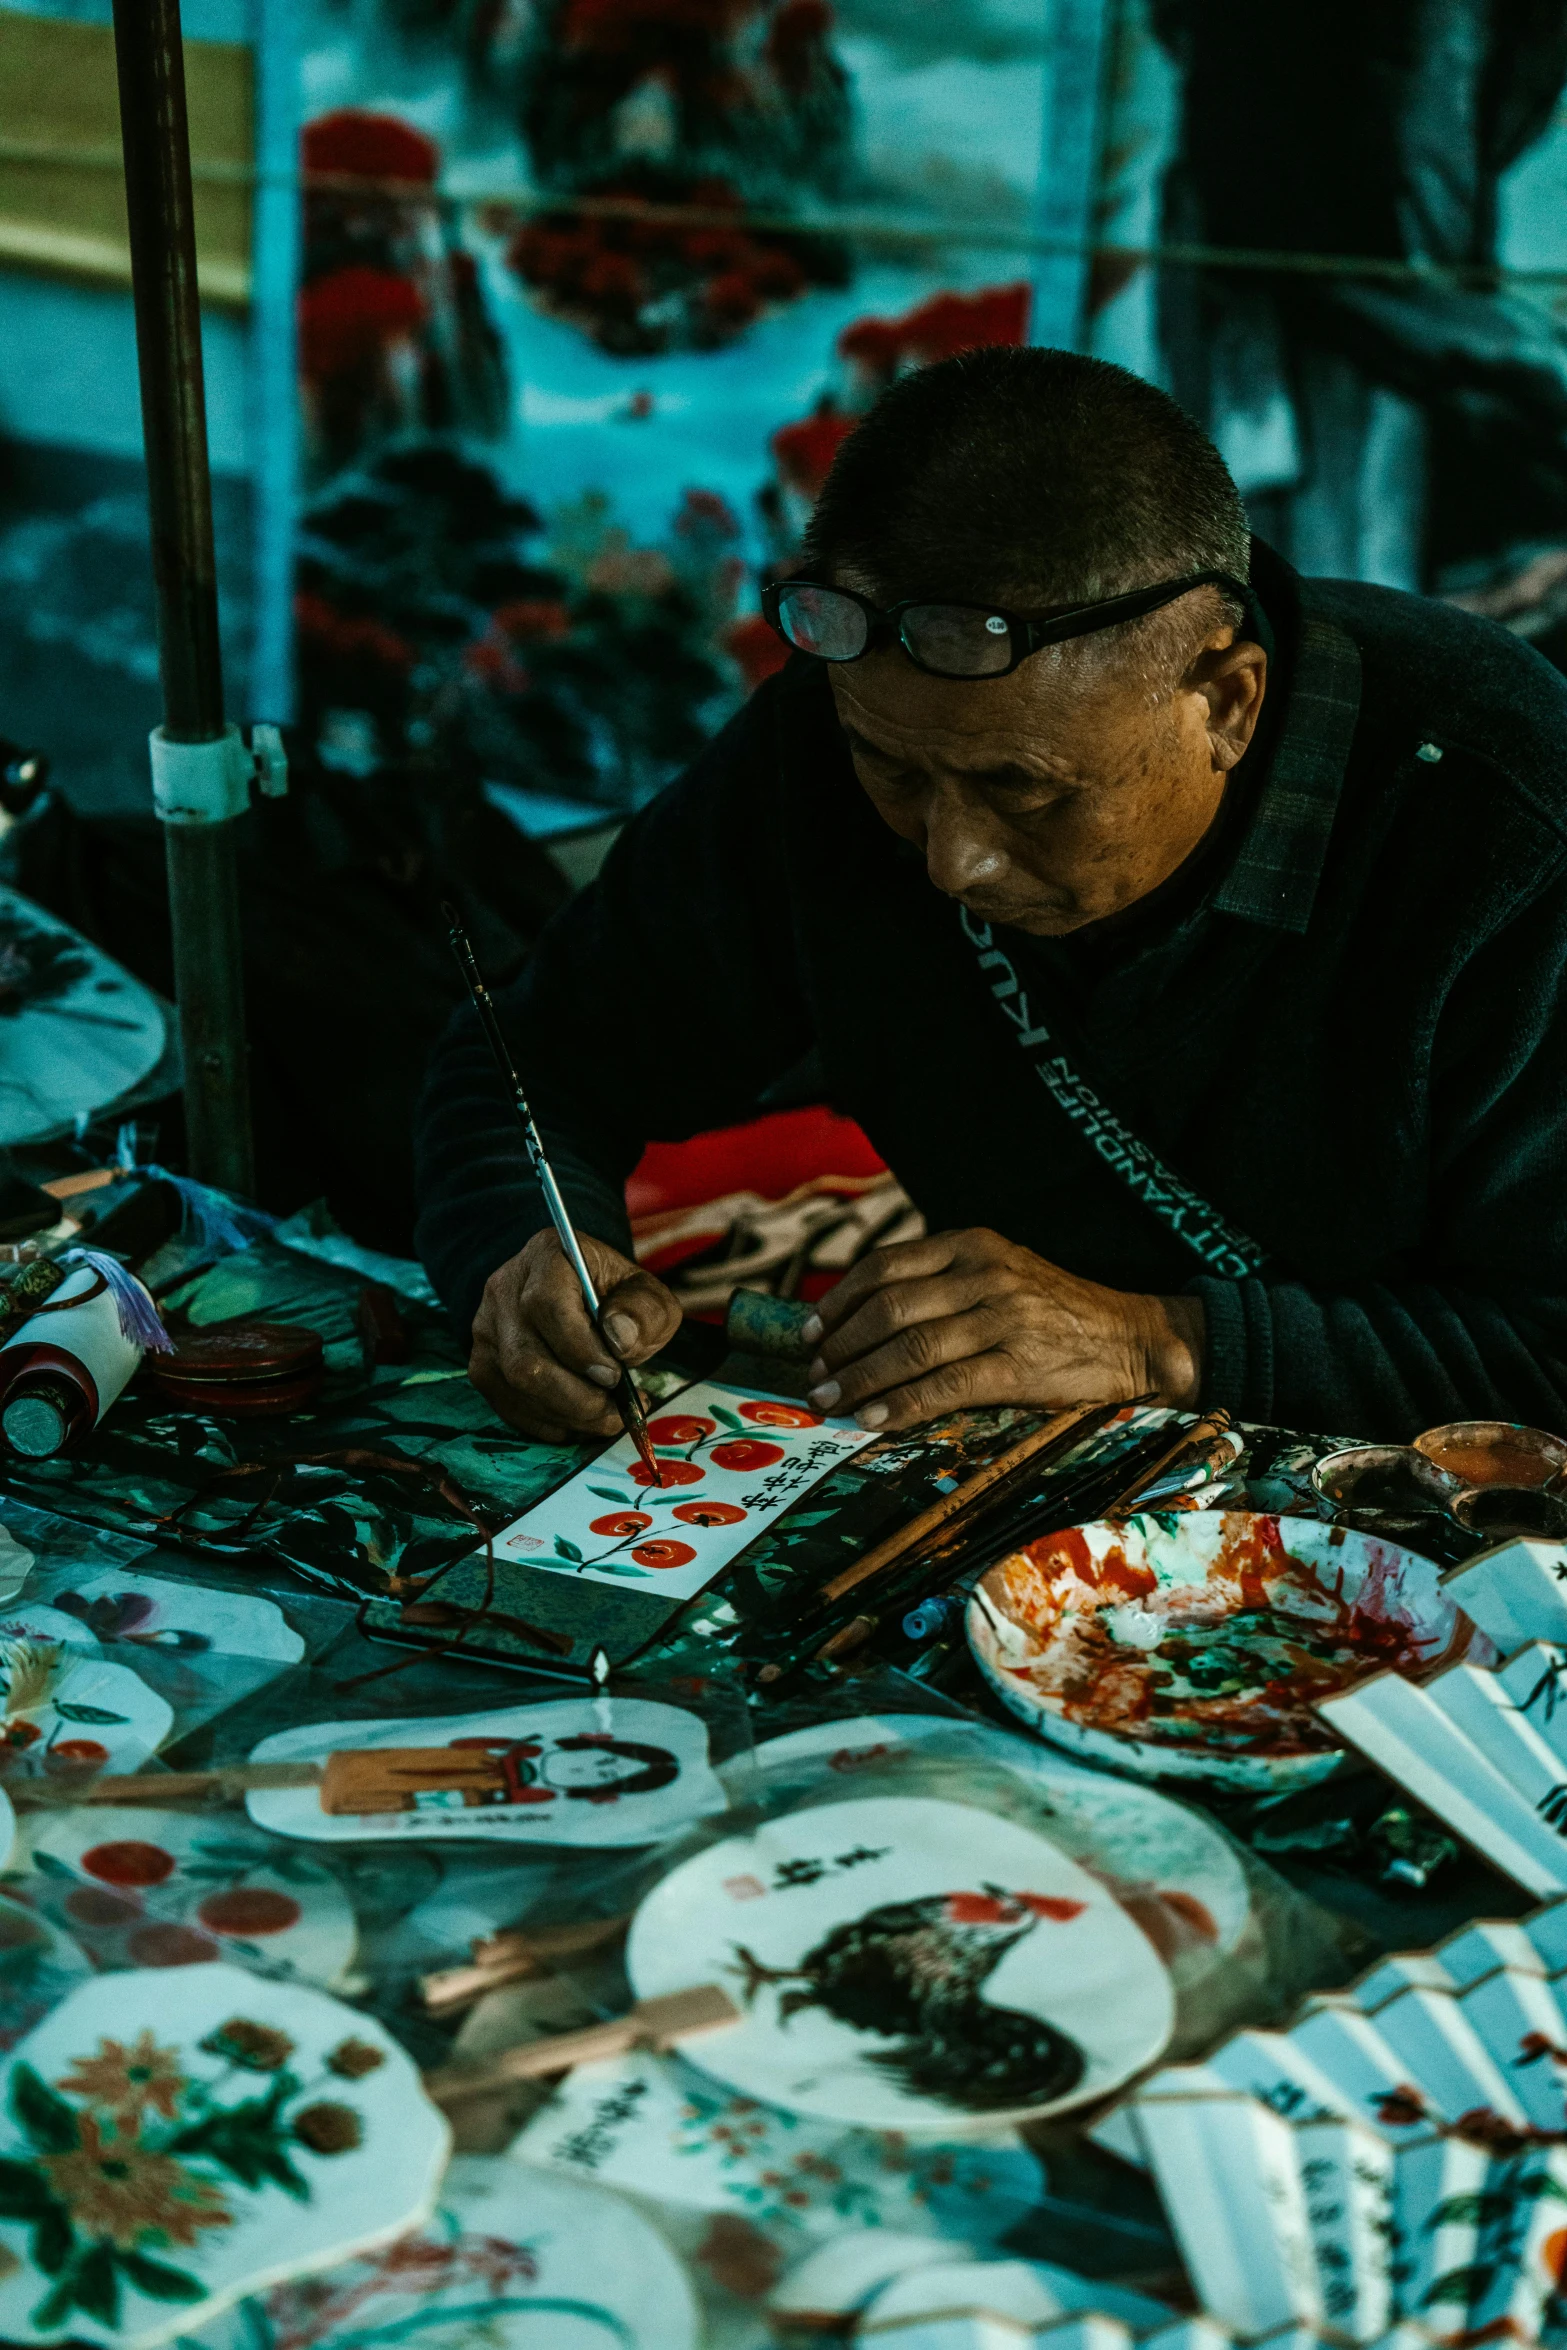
913, 1972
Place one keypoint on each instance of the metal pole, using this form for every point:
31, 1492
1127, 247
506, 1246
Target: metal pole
274, 409
203, 897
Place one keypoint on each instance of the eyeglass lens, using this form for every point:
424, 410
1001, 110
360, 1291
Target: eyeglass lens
957, 641
954, 640
820, 621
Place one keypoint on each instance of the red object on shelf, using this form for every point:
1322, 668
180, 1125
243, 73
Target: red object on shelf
772, 1156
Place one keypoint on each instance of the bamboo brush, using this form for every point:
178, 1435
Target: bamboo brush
1057, 1431
653, 2023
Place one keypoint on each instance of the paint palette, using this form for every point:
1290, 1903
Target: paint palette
1199, 1645
599, 1771
906, 1964
64, 1705
174, 2141
1396, 2156
731, 1460
513, 2259
143, 1888
1178, 1876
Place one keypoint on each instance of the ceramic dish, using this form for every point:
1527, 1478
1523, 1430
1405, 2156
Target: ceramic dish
1494, 1452
1196, 1646
175, 2140
1383, 1488
906, 1964
1507, 1513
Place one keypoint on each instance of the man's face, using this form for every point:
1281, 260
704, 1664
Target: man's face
1055, 796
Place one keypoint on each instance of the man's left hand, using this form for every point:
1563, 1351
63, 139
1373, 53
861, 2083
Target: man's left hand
965, 1318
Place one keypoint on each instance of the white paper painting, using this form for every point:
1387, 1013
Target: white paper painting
732, 1460
605, 1771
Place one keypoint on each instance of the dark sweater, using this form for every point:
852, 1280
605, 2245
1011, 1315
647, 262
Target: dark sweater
1349, 1036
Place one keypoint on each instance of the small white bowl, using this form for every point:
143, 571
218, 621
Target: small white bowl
1328, 1603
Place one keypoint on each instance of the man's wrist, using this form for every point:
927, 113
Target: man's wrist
1174, 1345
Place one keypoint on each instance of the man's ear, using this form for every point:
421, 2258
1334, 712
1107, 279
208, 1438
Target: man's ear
1233, 680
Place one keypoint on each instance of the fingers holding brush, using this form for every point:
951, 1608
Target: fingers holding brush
537, 1358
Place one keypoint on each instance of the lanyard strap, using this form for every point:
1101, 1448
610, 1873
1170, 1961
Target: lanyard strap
1221, 1247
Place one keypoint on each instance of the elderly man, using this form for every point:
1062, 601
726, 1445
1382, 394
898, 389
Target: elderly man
1189, 937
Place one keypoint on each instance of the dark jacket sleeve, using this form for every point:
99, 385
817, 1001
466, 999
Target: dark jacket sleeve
1477, 1327
660, 1003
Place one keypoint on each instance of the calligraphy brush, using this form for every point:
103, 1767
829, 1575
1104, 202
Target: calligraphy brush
965, 1545
968, 1549
627, 1400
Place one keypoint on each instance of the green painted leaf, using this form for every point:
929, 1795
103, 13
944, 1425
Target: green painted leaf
54, 2308
277, 2167
157, 2280
47, 1866
728, 1419
95, 2285
1460, 2284
604, 1493
54, 2240
86, 1713
23, 2192
567, 1550
49, 2122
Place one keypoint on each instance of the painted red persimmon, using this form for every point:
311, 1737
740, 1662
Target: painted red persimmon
768, 1414
160, 1944
78, 1751
128, 1863
745, 1454
620, 1522
669, 1473
663, 1554
249, 1910
709, 1513
680, 1428
85, 1905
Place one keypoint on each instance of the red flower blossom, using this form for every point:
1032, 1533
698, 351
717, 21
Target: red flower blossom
357, 144
759, 651
804, 452
938, 329
347, 318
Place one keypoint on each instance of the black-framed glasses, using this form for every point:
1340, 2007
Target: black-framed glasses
964, 640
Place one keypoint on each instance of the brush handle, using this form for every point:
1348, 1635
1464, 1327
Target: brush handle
653, 2023
462, 948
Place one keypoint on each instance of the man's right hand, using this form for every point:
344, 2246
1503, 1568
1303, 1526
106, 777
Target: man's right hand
537, 1358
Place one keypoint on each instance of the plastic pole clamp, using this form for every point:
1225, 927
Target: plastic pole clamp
208, 783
